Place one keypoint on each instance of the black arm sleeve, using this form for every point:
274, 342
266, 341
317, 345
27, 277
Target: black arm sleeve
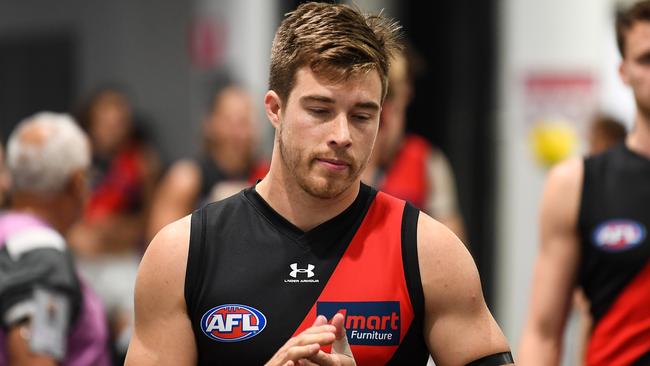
496, 359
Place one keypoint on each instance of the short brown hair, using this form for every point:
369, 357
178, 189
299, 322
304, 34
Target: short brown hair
335, 41
625, 19
609, 126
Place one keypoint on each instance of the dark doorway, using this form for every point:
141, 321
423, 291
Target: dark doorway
454, 108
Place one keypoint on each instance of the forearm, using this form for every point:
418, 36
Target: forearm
539, 350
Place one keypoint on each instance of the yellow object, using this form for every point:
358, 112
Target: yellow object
553, 141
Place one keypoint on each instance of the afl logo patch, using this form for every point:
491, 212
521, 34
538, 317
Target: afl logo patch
232, 323
619, 235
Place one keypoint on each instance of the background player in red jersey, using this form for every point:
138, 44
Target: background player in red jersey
406, 165
328, 80
606, 194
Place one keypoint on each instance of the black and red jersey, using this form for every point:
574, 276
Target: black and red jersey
615, 265
254, 280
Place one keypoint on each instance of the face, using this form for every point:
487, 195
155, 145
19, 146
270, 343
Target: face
110, 122
635, 67
231, 123
326, 130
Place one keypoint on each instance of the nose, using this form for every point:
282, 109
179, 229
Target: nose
340, 133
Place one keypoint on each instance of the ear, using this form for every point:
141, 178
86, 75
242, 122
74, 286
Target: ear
78, 185
623, 72
273, 107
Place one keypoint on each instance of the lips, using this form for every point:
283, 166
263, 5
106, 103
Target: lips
334, 164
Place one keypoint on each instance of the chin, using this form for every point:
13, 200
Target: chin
325, 188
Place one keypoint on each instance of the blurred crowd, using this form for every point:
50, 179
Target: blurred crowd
129, 193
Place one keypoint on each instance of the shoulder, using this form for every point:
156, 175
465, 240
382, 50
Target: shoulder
567, 174
448, 272
184, 175
163, 265
171, 242
562, 192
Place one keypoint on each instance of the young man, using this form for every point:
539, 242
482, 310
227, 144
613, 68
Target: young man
594, 222
49, 317
255, 278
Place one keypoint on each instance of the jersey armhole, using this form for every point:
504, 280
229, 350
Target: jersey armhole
410, 259
194, 267
584, 189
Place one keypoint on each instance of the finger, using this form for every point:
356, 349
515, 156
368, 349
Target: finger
327, 359
320, 329
295, 353
321, 358
306, 362
341, 345
320, 338
337, 322
288, 363
320, 320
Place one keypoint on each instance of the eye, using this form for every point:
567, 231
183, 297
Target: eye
361, 117
644, 59
318, 112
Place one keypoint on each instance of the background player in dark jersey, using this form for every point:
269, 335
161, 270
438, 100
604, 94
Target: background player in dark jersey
328, 79
227, 164
594, 221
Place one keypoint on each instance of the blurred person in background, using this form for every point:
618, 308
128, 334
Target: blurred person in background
49, 316
109, 241
594, 224
605, 131
406, 165
227, 164
4, 180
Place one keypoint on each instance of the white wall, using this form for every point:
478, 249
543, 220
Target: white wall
534, 35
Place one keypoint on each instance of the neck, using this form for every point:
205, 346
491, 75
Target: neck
41, 206
639, 139
281, 191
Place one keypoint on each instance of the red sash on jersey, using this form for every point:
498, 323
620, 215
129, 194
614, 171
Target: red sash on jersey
622, 336
369, 285
407, 176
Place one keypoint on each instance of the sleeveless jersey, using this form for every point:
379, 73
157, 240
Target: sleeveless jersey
615, 267
254, 280
37, 257
407, 176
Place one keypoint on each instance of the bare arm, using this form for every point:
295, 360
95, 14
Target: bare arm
442, 199
163, 333
176, 196
458, 326
556, 266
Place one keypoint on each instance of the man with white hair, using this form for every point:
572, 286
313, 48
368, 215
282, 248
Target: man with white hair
48, 315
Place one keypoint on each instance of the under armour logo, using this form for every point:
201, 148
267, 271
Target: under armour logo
295, 270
